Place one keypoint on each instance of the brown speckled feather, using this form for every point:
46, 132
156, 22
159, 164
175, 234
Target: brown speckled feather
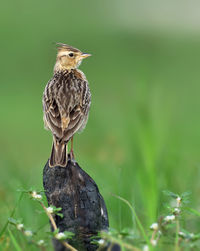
66, 103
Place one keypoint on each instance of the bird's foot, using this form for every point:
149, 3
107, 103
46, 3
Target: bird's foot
72, 158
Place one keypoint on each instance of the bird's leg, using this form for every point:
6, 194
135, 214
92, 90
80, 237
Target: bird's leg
72, 149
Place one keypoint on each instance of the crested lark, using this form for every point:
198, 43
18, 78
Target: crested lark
66, 102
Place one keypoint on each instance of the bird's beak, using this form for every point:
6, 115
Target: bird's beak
85, 55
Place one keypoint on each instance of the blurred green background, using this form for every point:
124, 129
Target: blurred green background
143, 133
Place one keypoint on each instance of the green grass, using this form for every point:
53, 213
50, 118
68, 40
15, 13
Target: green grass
14, 241
143, 133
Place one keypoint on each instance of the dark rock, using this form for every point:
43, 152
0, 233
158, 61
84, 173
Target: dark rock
82, 205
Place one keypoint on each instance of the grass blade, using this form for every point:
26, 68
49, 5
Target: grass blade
136, 217
193, 211
11, 215
14, 241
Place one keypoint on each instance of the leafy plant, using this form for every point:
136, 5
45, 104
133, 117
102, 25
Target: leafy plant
169, 231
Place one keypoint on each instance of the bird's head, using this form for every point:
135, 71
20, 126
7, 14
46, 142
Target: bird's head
68, 57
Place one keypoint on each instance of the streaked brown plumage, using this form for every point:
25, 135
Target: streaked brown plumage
66, 102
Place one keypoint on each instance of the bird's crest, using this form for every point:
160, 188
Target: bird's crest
61, 46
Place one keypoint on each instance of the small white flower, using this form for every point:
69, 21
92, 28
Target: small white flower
145, 248
49, 210
154, 226
40, 242
191, 235
36, 196
169, 218
28, 233
154, 242
177, 210
181, 234
101, 242
33, 194
60, 236
20, 226
178, 199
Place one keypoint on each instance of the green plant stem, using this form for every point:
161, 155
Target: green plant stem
137, 219
118, 241
67, 245
153, 235
49, 216
177, 236
11, 215
14, 241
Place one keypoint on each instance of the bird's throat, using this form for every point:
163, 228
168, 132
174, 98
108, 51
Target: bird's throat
59, 67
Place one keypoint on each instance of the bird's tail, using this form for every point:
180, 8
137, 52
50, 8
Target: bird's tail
58, 154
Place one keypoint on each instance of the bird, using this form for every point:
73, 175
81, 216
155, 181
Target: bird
66, 102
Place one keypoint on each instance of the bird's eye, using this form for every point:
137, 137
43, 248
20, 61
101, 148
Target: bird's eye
71, 55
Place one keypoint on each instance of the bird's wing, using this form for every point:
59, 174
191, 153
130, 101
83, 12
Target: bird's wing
52, 118
63, 113
75, 121
73, 103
